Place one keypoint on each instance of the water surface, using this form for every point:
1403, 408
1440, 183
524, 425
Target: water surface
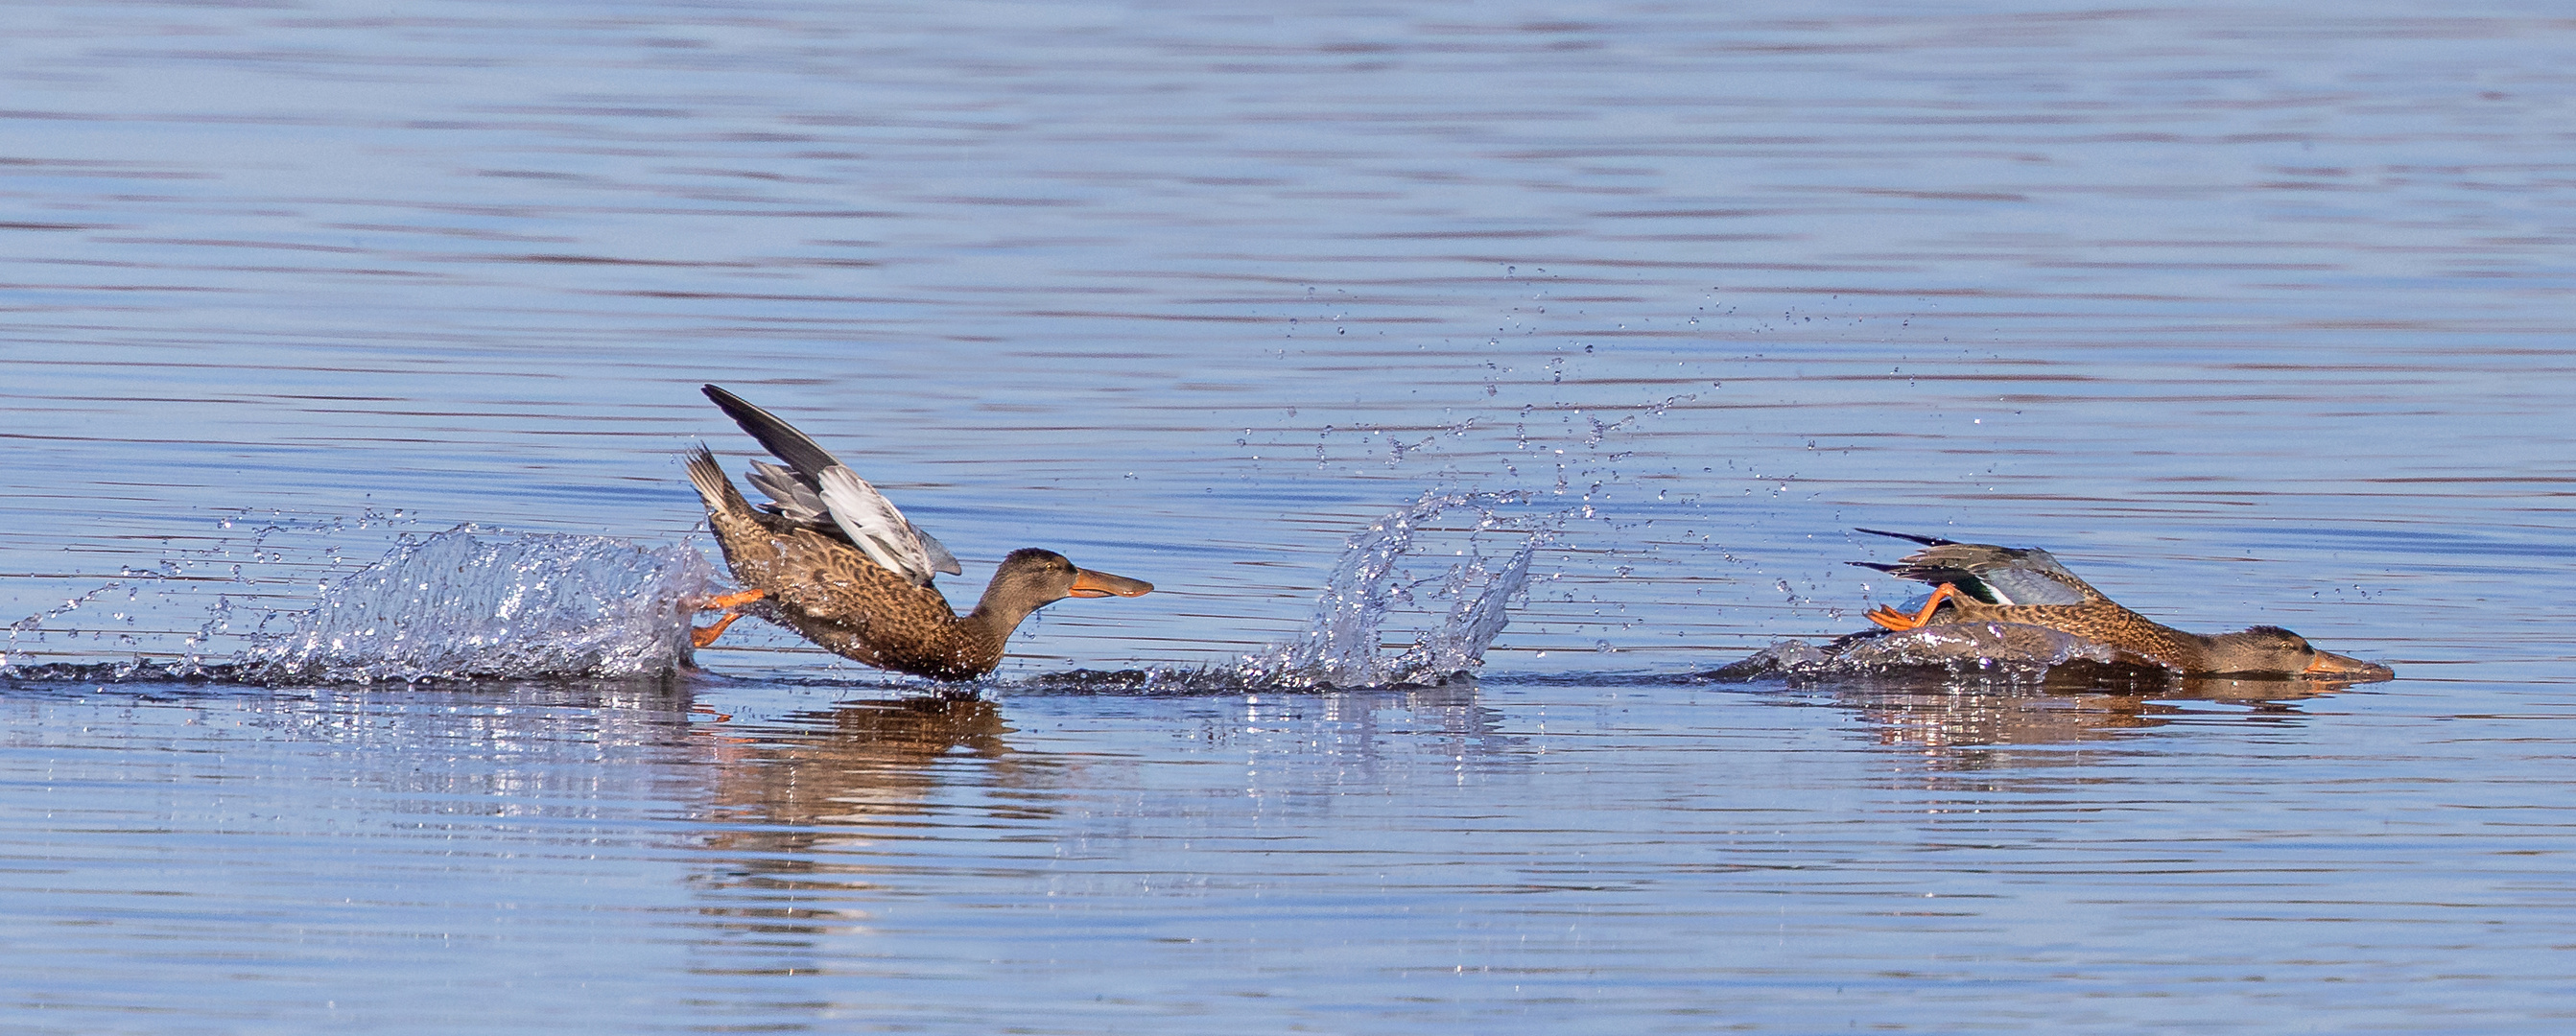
2249, 314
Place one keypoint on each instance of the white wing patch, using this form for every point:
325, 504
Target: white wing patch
880, 531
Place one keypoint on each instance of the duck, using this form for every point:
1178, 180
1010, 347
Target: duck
1980, 582
832, 559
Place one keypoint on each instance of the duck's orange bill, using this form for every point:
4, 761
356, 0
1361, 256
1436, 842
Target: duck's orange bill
1087, 583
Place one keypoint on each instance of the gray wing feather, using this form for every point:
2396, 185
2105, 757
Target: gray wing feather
799, 500
2026, 586
940, 559
781, 439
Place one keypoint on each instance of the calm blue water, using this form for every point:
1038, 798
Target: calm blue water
2248, 313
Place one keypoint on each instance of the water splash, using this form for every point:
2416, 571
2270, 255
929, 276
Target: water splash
1342, 645
467, 603
178, 616
461, 604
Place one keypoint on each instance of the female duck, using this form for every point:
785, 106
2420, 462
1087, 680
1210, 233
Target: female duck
833, 560
1977, 582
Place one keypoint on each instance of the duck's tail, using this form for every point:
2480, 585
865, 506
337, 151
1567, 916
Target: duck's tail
713, 487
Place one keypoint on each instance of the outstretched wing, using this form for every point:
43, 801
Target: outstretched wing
817, 491
1995, 575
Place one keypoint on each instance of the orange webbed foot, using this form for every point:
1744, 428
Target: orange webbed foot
733, 600
1899, 622
702, 636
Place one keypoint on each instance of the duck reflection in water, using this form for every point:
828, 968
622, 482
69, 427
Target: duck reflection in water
809, 816
2086, 704
844, 775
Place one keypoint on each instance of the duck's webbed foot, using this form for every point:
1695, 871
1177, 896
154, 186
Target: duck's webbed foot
702, 636
1899, 622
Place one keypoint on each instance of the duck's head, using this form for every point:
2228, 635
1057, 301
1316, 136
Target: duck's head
1031, 578
2272, 650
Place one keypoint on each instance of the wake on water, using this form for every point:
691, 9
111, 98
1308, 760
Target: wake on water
476, 604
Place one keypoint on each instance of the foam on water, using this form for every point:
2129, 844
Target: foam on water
2007, 650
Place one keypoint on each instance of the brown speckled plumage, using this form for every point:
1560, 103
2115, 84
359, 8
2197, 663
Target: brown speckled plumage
1977, 582
817, 582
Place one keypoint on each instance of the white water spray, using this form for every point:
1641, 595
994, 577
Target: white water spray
1342, 643
468, 603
